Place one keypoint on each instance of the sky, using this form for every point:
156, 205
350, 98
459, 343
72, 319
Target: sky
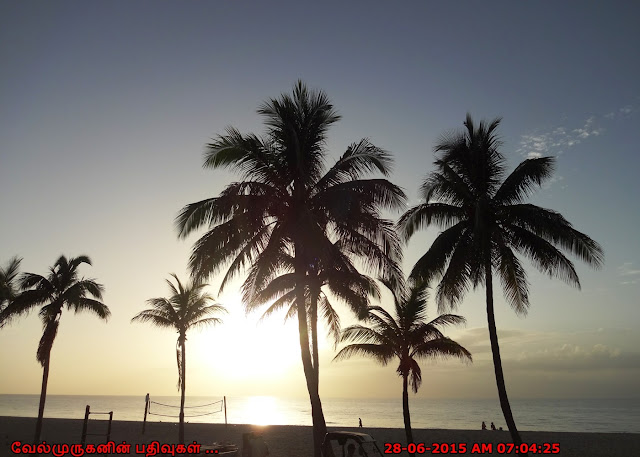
105, 110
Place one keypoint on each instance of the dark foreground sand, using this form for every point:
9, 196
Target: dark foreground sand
295, 441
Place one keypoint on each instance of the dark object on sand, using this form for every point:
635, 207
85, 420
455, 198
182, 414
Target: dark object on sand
335, 444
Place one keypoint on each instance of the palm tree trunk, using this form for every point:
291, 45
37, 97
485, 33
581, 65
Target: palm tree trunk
313, 319
183, 388
405, 410
497, 362
43, 397
319, 424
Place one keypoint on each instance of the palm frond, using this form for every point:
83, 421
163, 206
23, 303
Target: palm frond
379, 352
88, 304
553, 227
441, 348
527, 176
514, 280
423, 215
434, 262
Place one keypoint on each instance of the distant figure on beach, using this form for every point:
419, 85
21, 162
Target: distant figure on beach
484, 425
351, 450
493, 427
359, 422
500, 429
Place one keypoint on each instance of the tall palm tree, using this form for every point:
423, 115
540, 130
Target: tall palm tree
61, 288
485, 221
288, 212
8, 286
187, 308
407, 337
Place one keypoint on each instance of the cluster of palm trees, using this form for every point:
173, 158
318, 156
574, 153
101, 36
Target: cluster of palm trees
297, 229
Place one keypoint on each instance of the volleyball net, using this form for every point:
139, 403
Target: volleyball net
156, 408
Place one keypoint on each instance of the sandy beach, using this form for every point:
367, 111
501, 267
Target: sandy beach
295, 441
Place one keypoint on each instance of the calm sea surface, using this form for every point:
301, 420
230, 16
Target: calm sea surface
615, 415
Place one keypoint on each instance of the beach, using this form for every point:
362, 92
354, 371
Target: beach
295, 441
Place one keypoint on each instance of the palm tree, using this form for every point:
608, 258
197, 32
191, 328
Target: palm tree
289, 211
485, 219
187, 308
406, 337
8, 277
62, 287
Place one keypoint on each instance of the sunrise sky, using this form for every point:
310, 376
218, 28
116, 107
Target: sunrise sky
105, 108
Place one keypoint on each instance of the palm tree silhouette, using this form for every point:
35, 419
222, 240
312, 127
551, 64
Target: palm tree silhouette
287, 213
187, 308
406, 337
485, 219
8, 286
60, 288
342, 281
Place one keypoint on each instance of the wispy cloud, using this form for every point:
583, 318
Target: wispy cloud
629, 274
625, 111
558, 139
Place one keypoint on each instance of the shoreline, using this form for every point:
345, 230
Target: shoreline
295, 440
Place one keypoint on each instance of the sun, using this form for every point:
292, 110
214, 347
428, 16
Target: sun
245, 347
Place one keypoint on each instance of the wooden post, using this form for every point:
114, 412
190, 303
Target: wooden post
224, 400
84, 426
146, 409
109, 429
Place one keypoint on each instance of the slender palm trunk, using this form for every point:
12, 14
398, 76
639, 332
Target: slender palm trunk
497, 362
319, 424
313, 319
43, 397
405, 409
183, 388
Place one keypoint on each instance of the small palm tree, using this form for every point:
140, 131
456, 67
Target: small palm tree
485, 219
187, 308
60, 288
406, 337
8, 286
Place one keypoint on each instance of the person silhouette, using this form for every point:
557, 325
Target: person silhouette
359, 422
493, 427
484, 425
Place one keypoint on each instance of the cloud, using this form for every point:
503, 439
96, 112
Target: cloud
629, 274
626, 110
558, 139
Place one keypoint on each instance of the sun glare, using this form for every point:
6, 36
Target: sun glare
246, 348
260, 410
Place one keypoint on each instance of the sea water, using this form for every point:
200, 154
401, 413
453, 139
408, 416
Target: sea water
566, 415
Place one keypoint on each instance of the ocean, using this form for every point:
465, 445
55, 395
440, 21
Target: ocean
589, 415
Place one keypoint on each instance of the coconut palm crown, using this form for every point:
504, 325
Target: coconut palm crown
187, 308
485, 222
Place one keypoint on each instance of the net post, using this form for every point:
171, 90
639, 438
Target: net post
146, 410
224, 400
109, 428
84, 426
